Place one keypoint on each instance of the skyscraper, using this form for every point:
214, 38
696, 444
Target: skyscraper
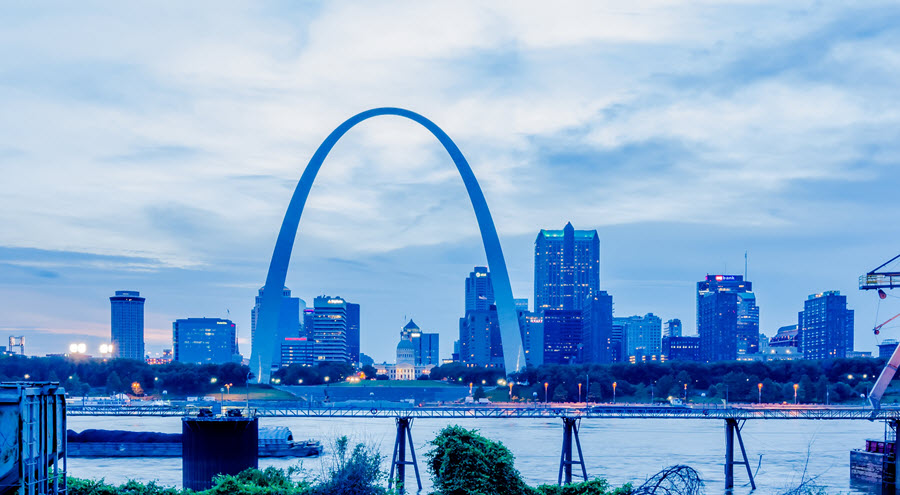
747, 324
427, 349
825, 326
127, 324
563, 336
643, 338
353, 332
718, 300
532, 327
288, 322
479, 290
479, 338
329, 330
672, 328
599, 346
205, 340
409, 329
566, 268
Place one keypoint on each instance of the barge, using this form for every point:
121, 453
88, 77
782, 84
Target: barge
276, 441
869, 465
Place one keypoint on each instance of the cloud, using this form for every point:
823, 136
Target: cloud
136, 142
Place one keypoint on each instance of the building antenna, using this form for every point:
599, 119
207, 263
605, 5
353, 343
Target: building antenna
745, 265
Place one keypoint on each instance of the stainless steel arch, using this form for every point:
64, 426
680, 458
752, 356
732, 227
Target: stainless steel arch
261, 362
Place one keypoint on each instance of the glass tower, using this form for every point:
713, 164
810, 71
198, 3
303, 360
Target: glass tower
127, 324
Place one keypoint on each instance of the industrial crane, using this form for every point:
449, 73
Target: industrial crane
879, 279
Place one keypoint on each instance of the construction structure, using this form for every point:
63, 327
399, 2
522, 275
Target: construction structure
32, 438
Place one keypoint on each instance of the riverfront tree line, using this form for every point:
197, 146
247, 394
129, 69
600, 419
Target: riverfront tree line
84, 376
837, 380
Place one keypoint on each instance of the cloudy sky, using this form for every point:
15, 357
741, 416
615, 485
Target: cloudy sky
156, 149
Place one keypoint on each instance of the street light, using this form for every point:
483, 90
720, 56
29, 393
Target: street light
470, 388
300, 381
327, 379
685, 392
614, 392
796, 386
545, 390
759, 394
213, 380
579, 392
510, 391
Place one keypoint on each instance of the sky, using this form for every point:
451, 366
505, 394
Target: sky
156, 147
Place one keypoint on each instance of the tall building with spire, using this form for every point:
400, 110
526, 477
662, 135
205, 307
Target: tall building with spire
566, 268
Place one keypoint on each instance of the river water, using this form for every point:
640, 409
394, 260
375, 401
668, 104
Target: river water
620, 450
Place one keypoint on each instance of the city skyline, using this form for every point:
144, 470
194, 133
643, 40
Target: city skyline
683, 144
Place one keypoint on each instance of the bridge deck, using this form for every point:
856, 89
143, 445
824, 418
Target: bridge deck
510, 412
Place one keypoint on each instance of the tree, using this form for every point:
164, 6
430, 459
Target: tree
114, 384
807, 390
479, 393
464, 462
560, 394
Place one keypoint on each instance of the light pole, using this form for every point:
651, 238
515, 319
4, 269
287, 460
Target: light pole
587, 387
614, 392
759, 393
796, 386
545, 391
327, 379
221, 394
579, 392
470, 388
685, 392
247, 382
510, 391
652, 395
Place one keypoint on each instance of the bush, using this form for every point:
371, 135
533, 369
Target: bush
352, 473
463, 462
591, 487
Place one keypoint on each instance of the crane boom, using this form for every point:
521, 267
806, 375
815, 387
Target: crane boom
884, 379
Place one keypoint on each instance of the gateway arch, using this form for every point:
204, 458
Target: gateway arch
261, 356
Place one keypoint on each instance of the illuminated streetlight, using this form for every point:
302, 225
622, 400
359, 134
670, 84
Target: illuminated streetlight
849, 377
579, 392
27, 376
759, 394
510, 391
77, 348
796, 386
614, 392
685, 392
470, 388
300, 381
213, 380
545, 390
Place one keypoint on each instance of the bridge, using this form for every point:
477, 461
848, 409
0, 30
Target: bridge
604, 411
734, 417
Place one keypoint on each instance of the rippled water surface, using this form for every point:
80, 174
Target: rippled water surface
620, 450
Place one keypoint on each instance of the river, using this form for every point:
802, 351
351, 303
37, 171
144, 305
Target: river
620, 450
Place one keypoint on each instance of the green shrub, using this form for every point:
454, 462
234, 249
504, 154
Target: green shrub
463, 462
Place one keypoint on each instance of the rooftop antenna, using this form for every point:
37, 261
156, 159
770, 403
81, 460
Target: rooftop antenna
745, 265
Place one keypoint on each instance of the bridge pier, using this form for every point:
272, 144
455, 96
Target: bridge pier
404, 435
570, 431
732, 428
889, 460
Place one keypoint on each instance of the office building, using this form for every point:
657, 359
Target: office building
409, 329
825, 326
563, 336
426, 346
289, 323
205, 341
617, 342
479, 290
532, 327
353, 333
886, 348
680, 348
521, 303
599, 344
672, 328
719, 299
329, 330
643, 338
297, 350
479, 339
747, 324
786, 336
566, 268
127, 324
